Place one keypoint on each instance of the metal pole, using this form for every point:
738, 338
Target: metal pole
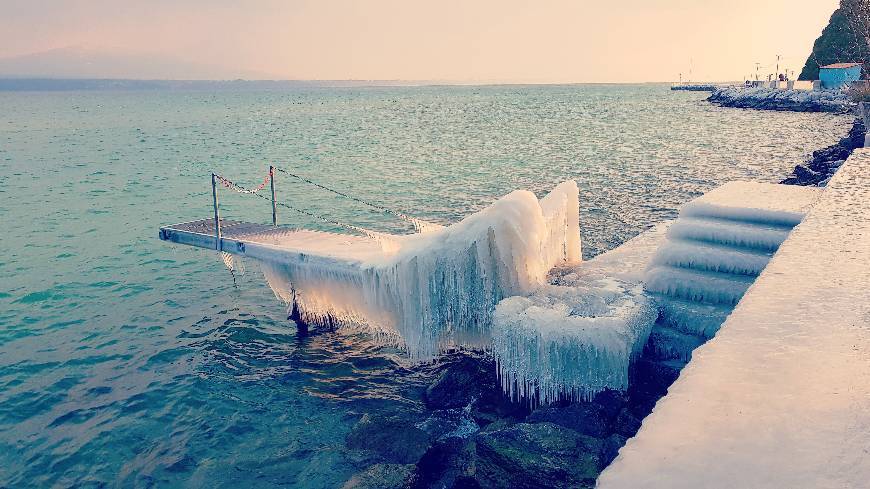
217, 216
272, 182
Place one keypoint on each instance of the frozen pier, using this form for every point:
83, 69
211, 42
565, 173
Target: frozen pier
427, 291
509, 279
781, 396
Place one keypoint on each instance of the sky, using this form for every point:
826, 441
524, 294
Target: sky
545, 41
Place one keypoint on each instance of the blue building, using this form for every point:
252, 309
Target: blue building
838, 75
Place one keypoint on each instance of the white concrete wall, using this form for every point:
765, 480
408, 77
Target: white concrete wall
780, 398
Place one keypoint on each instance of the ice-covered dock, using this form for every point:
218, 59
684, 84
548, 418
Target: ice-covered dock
509, 278
427, 291
781, 396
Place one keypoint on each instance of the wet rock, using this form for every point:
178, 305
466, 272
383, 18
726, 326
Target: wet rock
626, 424
651, 379
784, 100
805, 174
383, 476
447, 464
394, 439
469, 380
449, 423
825, 162
583, 417
611, 402
610, 448
539, 455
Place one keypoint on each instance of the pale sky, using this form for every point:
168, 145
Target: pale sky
447, 40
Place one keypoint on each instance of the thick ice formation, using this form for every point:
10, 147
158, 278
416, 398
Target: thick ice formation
572, 341
430, 291
781, 396
577, 335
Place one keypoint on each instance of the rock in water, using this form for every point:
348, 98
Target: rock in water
462, 382
826, 161
586, 418
469, 381
450, 463
785, 100
394, 439
383, 476
540, 455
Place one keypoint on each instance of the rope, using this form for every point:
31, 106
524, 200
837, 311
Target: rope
419, 225
230, 185
380, 237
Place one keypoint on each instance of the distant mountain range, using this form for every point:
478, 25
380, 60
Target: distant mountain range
80, 62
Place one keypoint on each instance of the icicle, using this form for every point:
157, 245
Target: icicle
570, 341
438, 288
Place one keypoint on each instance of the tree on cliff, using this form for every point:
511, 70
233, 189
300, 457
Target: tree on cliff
845, 39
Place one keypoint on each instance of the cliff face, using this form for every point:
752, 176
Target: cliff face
845, 39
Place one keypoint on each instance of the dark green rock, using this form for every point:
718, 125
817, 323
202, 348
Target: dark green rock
583, 417
610, 448
469, 380
447, 464
383, 476
539, 455
394, 439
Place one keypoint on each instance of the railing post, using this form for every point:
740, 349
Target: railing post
217, 216
272, 183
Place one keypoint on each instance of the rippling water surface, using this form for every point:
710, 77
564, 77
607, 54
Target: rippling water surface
128, 361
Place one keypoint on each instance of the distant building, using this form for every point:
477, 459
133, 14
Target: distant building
838, 75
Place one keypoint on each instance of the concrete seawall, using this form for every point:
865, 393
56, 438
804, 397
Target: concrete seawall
781, 396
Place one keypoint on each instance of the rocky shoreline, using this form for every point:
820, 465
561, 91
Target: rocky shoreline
819, 169
784, 100
470, 435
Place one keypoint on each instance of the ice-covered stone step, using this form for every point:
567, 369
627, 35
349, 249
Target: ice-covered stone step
752, 202
691, 317
753, 236
666, 343
711, 257
698, 285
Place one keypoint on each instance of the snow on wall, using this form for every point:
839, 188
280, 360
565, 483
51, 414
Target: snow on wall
781, 396
434, 290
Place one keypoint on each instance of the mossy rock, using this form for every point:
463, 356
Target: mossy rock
538, 455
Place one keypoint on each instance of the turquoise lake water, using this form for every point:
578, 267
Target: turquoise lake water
127, 361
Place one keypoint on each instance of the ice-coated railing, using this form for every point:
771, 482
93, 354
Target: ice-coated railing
781, 396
